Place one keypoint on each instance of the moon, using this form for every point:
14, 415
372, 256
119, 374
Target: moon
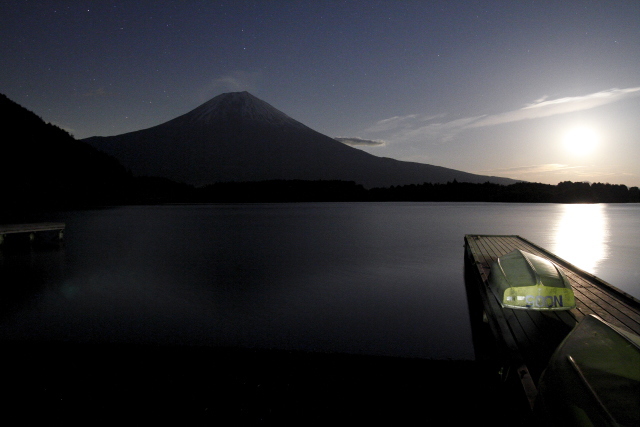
580, 140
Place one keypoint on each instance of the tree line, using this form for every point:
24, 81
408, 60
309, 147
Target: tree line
161, 190
522, 192
45, 168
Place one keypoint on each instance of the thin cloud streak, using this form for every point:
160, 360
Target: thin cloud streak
236, 81
402, 121
544, 168
543, 108
445, 131
360, 141
412, 128
391, 123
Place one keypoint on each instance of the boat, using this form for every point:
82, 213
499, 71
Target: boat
593, 378
522, 280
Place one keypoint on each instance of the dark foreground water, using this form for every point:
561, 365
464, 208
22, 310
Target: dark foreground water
289, 312
359, 278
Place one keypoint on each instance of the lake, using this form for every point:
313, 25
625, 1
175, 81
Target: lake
359, 278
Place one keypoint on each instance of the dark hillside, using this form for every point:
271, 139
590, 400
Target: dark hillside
45, 167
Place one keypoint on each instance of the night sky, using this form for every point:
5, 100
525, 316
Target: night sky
536, 90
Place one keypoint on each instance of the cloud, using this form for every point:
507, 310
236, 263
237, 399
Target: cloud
360, 141
402, 121
444, 131
543, 108
413, 128
542, 98
391, 123
543, 168
235, 81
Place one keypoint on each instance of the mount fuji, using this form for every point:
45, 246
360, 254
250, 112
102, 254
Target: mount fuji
238, 137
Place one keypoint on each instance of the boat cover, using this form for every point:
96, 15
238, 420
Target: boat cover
522, 280
593, 378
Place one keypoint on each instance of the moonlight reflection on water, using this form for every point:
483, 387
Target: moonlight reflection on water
582, 236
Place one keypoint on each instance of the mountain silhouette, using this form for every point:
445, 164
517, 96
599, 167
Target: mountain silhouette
237, 137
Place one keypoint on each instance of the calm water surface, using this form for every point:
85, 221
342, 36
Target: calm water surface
370, 278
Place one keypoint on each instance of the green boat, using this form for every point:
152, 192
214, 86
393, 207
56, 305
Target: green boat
522, 280
593, 378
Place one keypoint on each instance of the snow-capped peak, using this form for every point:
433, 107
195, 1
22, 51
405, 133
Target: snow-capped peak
240, 106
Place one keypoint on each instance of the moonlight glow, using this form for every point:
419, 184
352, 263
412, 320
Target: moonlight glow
580, 140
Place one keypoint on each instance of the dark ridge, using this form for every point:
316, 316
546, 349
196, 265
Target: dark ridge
44, 166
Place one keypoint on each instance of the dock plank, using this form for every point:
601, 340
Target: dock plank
534, 335
17, 231
28, 228
506, 332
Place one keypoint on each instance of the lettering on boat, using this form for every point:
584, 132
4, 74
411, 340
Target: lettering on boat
543, 301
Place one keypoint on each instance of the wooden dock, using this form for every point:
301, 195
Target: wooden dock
528, 338
32, 230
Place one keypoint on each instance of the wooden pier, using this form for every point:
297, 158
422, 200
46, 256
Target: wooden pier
528, 338
55, 229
